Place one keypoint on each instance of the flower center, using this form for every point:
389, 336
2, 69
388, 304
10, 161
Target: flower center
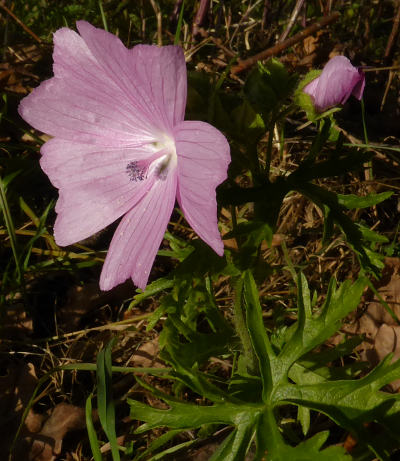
135, 171
167, 159
159, 164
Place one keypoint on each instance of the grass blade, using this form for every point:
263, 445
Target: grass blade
105, 402
179, 25
103, 16
94, 443
10, 228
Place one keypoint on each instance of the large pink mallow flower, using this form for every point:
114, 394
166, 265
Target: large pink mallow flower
338, 80
121, 147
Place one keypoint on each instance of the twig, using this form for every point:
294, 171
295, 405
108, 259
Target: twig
217, 41
393, 33
292, 20
157, 11
266, 12
250, 8
387, 88
173, 18
279, 47
200, 17
17, 20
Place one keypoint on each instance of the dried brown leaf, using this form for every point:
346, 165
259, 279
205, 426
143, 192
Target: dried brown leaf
47, 443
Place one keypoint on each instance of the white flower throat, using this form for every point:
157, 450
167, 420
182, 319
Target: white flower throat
159, 164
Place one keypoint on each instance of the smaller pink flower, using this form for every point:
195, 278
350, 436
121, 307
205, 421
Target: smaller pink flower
338, 80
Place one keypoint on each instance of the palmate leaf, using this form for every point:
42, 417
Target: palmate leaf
311, 330
353, 403
287, 377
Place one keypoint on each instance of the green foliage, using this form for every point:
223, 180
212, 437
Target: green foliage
268, 86
285, 379
282, 373
303, 100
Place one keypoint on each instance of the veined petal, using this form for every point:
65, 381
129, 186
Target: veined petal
203, 159
358, 90
139, 235
152, 78
81, 102
96, 185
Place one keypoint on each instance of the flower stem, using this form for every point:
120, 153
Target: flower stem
268, 155
369, 172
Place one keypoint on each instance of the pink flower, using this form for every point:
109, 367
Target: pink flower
338, 80
121, 147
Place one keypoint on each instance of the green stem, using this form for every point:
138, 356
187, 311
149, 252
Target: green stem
369, 164
241, 328
363, 121
268, 156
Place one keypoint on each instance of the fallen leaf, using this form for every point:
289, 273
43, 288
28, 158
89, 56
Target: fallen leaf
47, 444
147, 355
380, 329
17, 383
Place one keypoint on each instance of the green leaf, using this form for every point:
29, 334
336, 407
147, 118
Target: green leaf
308, 171
319, 141
371, 235
352, 201
258, 334
161, 284
249, 126
312, 330
303, 100
260, 94
310, 450
356, 235
352, 403
236, 445
186, 415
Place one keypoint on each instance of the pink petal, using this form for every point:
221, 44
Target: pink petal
358, 90
139, 235
82, 103
311, 87
203, 159
334, 86
153, 78
95, 185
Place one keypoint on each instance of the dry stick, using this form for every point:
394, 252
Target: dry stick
157, 11
393, 33
217, 42
265, 15
292, 20
250, 8
173, 18
200, 17
387, 88
388, 50
26, 28
279, 47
